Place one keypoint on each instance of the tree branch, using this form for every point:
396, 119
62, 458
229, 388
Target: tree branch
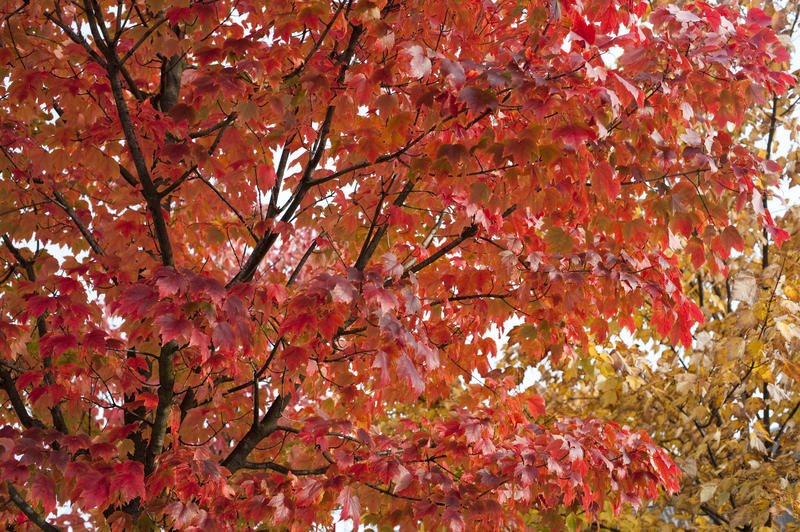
248, 270
774, 449
41, 328
62, 202
227, 203
466, 233
371, 244
317, 44
300, 264
75, 37
17, 404
258, 431
148, 188
209, 130
222, 126
166, 392
28, 510
159, 21
285, 470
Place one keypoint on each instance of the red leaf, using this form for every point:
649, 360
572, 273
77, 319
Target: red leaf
731, 239
406, 370
44, 489
266, 175
136, 300
419, 65
223, 336
282, 512
582, 29
92, 488
479, 100
453, 519
381, 362
604, 182
38, 304
28, 378
307, 491
169, 282
696, 250
172, 327
129, 479
758, 17
535, 405
574, 135
351, 507
55, 344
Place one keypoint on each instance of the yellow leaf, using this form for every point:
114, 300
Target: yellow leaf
754, 348
734, 348
789, 331
707, 491
792, 370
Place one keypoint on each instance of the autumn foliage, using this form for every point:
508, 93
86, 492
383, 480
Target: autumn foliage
253, 252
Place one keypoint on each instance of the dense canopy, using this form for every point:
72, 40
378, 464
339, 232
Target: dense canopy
254, 252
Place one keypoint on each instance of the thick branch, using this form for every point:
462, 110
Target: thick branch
258, 431
148, 188
171, 72
166, 392
28, 510
7, 382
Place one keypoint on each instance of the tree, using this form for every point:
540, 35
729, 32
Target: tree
253, 254
726, 406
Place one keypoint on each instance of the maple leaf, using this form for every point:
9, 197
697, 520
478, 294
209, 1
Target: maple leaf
43, 489
758, 17
406, 370
351, 507
129, 479
574, 135
419, 65
172, 327
479, 100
